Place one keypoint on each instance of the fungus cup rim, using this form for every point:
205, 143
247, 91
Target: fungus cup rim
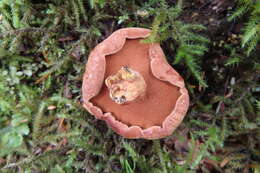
93, 80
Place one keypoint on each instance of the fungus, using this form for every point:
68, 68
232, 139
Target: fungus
130, 85
126, 85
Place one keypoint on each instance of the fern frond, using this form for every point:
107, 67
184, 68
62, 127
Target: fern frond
82, 10
5, 13
195, 70
160, 18
232, 61
251, 30
201, 124
193, 27
196, 49
175, 12
201, 133
251, 34
76, 12
195, 38
180, 55
252, 45
158, 149
131, 150
37, 121
16, 15
190, 45
55, 137
239, 12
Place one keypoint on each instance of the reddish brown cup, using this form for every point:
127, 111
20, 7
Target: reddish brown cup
165, 102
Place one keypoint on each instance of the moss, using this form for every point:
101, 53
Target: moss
43, 50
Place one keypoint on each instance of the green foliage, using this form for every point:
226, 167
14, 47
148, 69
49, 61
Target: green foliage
234, 57
16, 110
12, 11
43, 127
251, 35
190, 45
96, 3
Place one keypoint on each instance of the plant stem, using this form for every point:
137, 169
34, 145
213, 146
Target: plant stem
158, 149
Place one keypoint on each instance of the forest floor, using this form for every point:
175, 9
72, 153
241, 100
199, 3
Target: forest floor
44, 47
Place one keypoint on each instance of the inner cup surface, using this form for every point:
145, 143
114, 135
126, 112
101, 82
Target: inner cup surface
160, 97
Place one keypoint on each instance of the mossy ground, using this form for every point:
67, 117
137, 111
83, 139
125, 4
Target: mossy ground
43, 51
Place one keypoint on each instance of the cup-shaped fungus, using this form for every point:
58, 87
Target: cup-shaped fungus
130, 85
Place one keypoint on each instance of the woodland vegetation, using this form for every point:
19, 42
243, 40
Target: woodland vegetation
44, 44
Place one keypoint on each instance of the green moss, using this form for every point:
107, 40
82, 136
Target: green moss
43, 127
